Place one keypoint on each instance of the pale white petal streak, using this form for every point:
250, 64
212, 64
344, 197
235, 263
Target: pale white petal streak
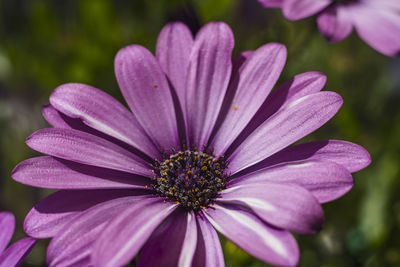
253, 235
103, 113
209, 252
124, 236
190, 242
174, 242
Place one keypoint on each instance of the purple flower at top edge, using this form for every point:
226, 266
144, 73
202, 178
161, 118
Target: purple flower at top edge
16, 253
205, 147
377, 22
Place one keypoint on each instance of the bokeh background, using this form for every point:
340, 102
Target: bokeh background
47, 43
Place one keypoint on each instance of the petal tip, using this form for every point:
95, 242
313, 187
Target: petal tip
335, 98
45, 108
15, 172
31, 140
174, 24
128, 51
367, 158
218, 27
319, 76
279, 47
8, 217
26, 226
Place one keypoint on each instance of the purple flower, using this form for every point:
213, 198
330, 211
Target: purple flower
16, 253
205, 147
377, 22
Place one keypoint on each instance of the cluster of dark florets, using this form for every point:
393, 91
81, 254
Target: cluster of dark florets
190, 178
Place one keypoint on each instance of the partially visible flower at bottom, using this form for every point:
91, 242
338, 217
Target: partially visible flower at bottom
206, 146
17, 252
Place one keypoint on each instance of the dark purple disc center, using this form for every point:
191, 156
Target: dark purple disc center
190, 178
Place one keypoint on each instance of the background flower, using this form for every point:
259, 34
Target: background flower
377, 22
17, 252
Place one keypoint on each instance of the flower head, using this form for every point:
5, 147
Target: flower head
377, 22
16, 253
205, 146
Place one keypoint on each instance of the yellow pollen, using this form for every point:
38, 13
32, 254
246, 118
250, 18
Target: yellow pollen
204, 168
235, 107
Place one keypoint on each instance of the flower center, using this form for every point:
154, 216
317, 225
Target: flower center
190, 178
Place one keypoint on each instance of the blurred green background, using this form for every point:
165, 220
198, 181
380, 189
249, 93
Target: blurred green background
47, 43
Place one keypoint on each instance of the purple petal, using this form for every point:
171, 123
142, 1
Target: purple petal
238, 62
300, 85
209, 252
285, 127
49, 172
190, 242
300, 9
208, 77
237, 65
291, 90
88, 149
146, 90
103, 113
75, 241
121, 240
50, 215
389, 5
174, 242
271, 3
334, 23
82, 262
379, 28
250, 233
60, 120
54, 118
16, 254
325, 180
174, 45
288, 207
349, 155
7, 226
256, 77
